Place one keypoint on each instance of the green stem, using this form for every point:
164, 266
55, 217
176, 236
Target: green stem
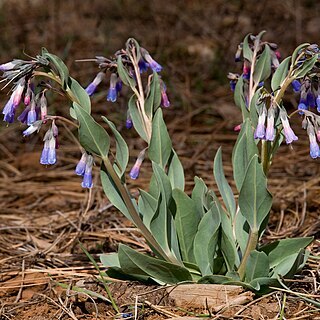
265, 157
251, 245
135, 215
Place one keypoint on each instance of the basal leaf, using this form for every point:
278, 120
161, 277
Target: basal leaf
257, 266
133, 262
186, 222
254, 198
223, 185
198, 196
279, 250
160, 144
280, 74
147, 207
175, 172
122, 151
206, 239
262, 69
110, 260
243, 151
91, 135
241, 230
112, 193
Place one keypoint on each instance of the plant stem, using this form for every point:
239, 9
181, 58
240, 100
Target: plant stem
251, 245
135, 215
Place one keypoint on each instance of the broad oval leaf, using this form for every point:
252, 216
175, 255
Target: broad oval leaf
280, 74
257, 266
175, 171
186, 222
133, 262
154, 97
80, 94
91, 135
243, 151
254, 199
262, 69
160, 144
147, 207
247, 52
206, 239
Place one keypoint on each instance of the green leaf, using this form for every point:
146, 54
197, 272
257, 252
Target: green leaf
80, 94
160, 144
239, 98
247, 52
243, 151
285, 266
198, 196
279, 250
257, 266
223, 185
254, 199
118, 273
175, 171
261, 285
110, 260
59, 67
122, 151
296, 52
91, 135
124, 74
206, 239
161, 223
305, 67
186, 222
241, 230
262, 69
147, 207
280, 74
136, 118
254, 107
154, 97
112, 192
136, 263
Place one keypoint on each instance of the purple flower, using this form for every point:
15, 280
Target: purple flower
9, 65
112, 92
48, 155
87, 176
164, 97
81, 166
18, 91
311, 101
302, 106
35, 126
318, 103
233, 84
32, 117
119, 85
287, 131
9, 110
143, 66
270, 132
43, 106
314, 147
154, 65
296, 85
135, 170
260, 129
246, 71
23, 115
92, 87
129, 123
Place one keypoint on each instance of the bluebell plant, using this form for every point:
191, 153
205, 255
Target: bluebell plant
203, 236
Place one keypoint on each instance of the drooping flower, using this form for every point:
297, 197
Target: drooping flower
143, 65
318, 103
246, 70
81, 166
32, 115
287, 131
164, 97
260, 129
87, 176
314, 147
233, 84
135, 170
10, 65
92, 87
43, 106
35, 126
112, 92
48, 155
28, 94
154, 65
296, 85
9, 111
311, 99
270, 132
